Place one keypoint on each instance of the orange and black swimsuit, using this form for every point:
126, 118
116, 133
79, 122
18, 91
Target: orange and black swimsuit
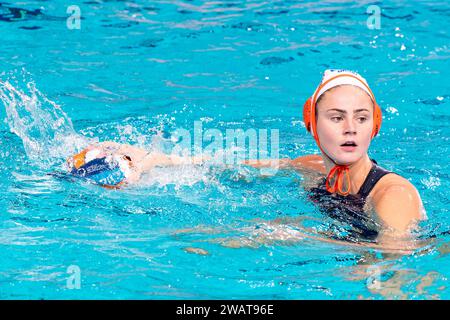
349, 209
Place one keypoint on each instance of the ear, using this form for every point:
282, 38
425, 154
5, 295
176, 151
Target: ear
307, 114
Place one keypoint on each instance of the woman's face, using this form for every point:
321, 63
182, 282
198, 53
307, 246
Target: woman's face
345, 113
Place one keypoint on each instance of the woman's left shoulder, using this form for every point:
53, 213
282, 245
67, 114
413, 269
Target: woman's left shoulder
397, 201
393, 183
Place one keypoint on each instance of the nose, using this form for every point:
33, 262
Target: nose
349, 126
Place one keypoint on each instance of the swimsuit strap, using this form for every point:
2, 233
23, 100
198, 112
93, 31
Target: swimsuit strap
375, 174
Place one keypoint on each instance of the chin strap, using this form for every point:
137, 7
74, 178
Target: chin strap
338, 172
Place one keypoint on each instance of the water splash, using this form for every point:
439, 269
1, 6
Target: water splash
46, 131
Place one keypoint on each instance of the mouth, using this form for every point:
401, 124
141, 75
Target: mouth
349, 146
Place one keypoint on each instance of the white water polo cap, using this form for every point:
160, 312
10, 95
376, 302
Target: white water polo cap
337, 77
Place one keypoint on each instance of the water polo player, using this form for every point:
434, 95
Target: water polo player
343, 117
113, 165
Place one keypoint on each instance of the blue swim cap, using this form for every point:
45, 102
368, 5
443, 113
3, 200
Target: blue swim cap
100, 171
98, 168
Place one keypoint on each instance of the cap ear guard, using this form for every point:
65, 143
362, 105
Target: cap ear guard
77, 160
378, 118
307, 114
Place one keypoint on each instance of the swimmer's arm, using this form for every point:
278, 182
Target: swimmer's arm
309, 163
399, 207
161, 159
145, 160
269, 163
152, 160
125, 149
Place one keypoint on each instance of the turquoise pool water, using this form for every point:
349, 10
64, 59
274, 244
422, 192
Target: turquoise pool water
137, 72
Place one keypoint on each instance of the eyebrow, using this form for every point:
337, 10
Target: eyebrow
345, 112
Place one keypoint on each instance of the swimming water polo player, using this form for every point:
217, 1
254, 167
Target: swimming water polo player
113, 165
343, 117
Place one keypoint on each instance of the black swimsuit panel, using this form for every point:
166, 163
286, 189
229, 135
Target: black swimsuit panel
350, 209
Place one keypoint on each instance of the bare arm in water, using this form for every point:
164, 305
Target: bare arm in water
311, 167
141, 160
309, 164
